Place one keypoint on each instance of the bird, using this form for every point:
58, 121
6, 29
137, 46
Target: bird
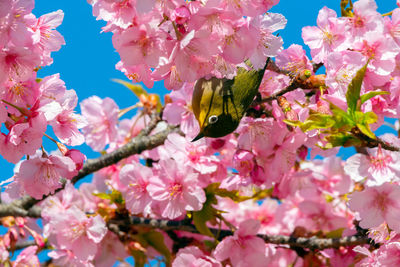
219, 103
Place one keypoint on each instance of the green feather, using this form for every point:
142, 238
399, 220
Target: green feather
220, 104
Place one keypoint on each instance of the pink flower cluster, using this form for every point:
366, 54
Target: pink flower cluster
181, 41
29, 104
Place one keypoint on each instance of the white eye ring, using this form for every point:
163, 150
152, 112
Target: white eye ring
212, 119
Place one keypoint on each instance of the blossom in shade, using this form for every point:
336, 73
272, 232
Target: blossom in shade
389, 254
64, 257
193, 256
176, 190
377, 204
244, 248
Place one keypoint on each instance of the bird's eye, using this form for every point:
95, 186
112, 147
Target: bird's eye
212, 119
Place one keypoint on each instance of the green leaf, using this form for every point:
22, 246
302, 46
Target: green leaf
156, 240
159, 105
342, 139
317, 121
139, 256
102, 195
346, 11
363, 120
335, 233
114, 196
293, 123
354, 89
370, 117
207, 213
365, 129
201, 217
371, 94
135, 88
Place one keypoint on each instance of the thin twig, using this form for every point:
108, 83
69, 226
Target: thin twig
186, 226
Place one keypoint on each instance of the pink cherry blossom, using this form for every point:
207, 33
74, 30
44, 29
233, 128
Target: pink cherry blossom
193, 154
58, 204
236, 47
320, 216
139, 45
339, 75
193, 256
64, 257
273, 82
23, 138
67, 123
136, 177
23, 94
365, 19
14, 28
180, 110
382, 50
109, 251
378, 167
41, 175
45, 35
293, 59
389, 254
249, 7
269, 44
329, 36
17, 63
377, 204
78, 233
244, 248
102, 116
176, 189
243, 161
27, 258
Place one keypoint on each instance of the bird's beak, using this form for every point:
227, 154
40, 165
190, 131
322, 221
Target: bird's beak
200, 135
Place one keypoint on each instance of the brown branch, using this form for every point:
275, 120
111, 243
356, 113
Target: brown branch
184, 225
24, 206
369, 142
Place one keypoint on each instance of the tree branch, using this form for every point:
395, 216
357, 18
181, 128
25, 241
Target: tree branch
184, 225
23, 206
369, 142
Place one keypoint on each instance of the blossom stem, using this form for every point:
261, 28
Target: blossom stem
23, 111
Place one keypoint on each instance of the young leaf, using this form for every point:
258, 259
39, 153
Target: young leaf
207, 213
371, 94
354, 89
135, 88
156, 240
342, 139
